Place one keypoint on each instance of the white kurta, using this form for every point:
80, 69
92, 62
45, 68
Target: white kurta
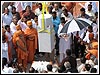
94, 6
38, 12
23, 25
69, 17
13, 28
5, 50
63, 44
7, 19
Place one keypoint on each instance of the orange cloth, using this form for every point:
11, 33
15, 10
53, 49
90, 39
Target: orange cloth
94, 52
21, 54
14, 37
32, 40
87, 56
29, 23
18, 27
19, 32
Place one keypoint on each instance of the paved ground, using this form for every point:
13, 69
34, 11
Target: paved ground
47, 57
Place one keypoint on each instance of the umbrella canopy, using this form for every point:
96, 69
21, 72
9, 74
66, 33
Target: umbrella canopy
76, 24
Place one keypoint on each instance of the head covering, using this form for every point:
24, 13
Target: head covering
29, 23
91, 35
18, 27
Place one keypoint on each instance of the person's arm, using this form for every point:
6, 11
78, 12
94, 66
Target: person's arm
24, 49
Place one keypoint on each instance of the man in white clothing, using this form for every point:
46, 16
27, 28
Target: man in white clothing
57, 10
23, 22
38, 11
86, 38
67, 15
13, 24
64, 41
6, 17
4, 48
94, 6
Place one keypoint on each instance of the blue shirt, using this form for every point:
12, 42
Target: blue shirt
56, 23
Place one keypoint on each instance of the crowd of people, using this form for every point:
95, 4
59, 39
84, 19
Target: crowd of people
20, 38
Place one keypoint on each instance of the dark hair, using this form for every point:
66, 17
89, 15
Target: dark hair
90, 5
82, 9
90, 27
13, 7
87, 67
68, 52
93, 70
49, 67
96, 13
28, 6
54, 12
62, 20
40, 4
7, 26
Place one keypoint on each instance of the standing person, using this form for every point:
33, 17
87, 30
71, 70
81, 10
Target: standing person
76, 44
25, 4
56, 22
5, 48
67, 15
70, 59
10, 44
90, 12
14, 39
13, 24
32, 40
38, 11
15, 13
50, 7
57, 10
28, 12
11, 4
6, 17
83, 14
94, 6
64, 42
21, 48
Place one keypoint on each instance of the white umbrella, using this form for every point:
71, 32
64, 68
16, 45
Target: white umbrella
76, 24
